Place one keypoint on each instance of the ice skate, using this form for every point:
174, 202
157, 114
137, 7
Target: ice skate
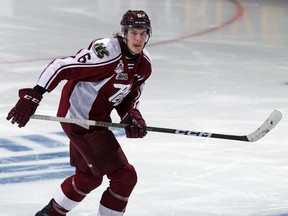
46, 210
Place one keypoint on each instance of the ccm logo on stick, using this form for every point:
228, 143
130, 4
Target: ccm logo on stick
193, 133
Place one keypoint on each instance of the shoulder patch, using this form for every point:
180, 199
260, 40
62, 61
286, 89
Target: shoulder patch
100, 50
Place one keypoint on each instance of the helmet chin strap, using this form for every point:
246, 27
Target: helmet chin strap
146, 40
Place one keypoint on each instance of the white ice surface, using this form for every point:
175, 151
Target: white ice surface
224, 80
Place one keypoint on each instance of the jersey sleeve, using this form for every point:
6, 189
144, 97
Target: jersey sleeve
87, 65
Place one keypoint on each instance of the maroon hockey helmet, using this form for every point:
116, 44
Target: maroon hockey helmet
136, 19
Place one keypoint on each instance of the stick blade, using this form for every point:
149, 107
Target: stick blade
267, 126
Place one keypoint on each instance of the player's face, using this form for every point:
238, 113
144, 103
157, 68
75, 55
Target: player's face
135, 39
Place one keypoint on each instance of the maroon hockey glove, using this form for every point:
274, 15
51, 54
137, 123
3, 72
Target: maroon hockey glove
25, 107
137, 126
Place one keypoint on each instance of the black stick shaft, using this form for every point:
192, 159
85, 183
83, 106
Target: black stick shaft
153, 129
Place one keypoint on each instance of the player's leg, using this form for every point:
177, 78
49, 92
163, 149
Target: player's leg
71, 192
114, 200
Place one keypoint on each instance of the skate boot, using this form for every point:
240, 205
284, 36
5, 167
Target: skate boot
46, 210
52, 208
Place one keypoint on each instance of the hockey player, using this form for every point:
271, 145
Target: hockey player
109, 75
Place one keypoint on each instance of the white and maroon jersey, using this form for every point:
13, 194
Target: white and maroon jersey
100, 79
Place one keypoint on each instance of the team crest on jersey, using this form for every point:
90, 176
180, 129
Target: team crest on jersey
100, 50
118, 97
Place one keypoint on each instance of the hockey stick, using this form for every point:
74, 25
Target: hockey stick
268, 125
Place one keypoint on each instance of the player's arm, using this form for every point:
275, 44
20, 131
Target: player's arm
85, 66
130, 114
